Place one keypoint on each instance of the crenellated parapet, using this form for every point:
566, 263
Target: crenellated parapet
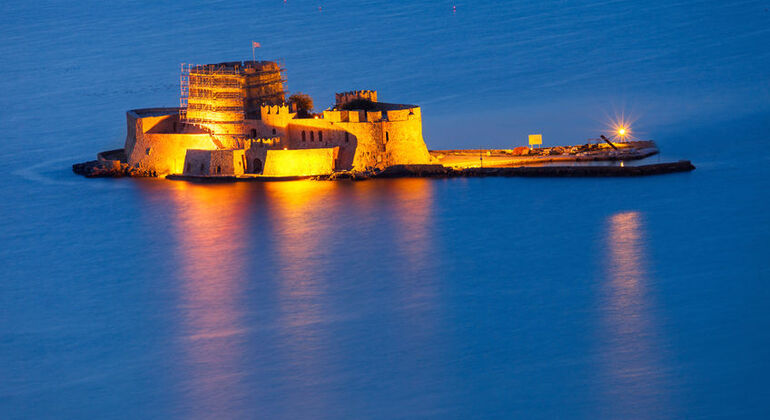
345, 97
406, 114
391, 112
276, 116
266, 109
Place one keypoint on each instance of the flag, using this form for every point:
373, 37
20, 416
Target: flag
255, 44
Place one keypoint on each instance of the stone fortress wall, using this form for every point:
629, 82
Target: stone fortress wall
156, 141
222, 132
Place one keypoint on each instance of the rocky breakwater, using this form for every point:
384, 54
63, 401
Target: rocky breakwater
440, 171
110, 164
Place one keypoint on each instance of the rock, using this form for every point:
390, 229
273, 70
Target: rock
520, 151
97, 169
400, 171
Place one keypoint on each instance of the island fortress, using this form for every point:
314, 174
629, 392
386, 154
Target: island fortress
233, 120
234, 123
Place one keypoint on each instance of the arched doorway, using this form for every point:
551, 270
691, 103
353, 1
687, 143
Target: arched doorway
256, 166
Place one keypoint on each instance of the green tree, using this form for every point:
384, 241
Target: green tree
303, 102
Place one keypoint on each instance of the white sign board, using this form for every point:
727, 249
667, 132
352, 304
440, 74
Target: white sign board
535, 139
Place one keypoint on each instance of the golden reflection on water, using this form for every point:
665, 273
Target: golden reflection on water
412, 200
210, 245
299, 212
631, 357
211, 224
416, 279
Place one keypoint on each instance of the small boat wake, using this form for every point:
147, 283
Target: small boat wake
53, 172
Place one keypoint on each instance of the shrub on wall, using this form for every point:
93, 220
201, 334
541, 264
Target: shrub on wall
303, 102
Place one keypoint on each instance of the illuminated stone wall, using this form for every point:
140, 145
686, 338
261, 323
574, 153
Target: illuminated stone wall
214, 162
307, 162
152, 145
366, 139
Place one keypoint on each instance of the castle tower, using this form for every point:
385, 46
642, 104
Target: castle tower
263, 84
344, 98
218, 97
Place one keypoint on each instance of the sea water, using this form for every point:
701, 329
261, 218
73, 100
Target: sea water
412, 298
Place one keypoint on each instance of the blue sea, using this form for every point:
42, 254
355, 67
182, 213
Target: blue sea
489, 298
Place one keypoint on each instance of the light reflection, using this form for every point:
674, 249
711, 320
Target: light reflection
412, 202
631, 356
416, 282
302, 231
210, 245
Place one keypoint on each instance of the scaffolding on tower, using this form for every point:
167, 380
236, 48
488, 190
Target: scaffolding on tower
219, 97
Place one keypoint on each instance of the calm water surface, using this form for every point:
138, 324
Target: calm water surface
414, 298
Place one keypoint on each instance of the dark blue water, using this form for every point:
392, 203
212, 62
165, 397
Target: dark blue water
462, 298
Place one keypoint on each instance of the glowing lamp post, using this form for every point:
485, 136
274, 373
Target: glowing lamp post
623, 132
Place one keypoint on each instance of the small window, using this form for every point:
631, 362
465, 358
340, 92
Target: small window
274, 131
203, 168
303, 135
320, 135
347, 137
387, 137
254, 132
147, 151
311, 135
188, 167
219, 169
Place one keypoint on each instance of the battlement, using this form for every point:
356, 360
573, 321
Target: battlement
346, 97
397, 114
283, 109
412, 113
276, 115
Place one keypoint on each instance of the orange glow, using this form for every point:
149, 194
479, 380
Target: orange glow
412, 201
619, 128
210, 247
299, 162
298, 212
622, 131
630, 353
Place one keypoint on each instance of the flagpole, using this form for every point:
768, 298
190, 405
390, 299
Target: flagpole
253, 57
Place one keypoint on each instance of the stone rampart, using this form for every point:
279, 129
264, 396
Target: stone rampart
214, 162
364, 144
307, 162
149, 148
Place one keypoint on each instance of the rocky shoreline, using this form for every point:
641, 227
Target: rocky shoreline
100, 169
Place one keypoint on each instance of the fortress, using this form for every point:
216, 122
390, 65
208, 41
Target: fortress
233, 120
233, 123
